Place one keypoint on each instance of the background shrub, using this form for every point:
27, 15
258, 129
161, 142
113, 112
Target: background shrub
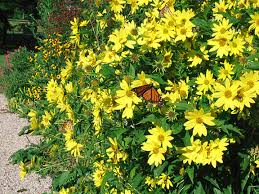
18, 71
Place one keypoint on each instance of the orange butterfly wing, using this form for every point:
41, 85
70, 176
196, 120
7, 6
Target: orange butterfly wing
152, 95
141, 89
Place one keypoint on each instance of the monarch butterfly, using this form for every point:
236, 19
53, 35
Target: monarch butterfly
67, 125
148, 92
165, 10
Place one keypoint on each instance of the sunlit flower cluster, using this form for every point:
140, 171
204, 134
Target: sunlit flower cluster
205, 152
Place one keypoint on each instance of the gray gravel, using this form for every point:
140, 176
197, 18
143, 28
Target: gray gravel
10, 142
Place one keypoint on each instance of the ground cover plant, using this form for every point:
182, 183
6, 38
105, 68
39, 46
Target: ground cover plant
147, 96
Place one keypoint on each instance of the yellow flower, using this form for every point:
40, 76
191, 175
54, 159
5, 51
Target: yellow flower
164, 181
245, 98
184, 32
133, 5
33, 120
198, 58
23, 171
126, 191
143, 80
64, 191
55, 93
117, 5
226, 72
196, 121
119, 38
99, 173
74, 147
237, 46
257, 163
215, 151
183, 17
69, 87
46, 119
254, 23
126, 100
162, 137
222, 29
155, 152
220, 44
150, 182
226, 94
143, 2
114, 153
74, 26
250, 81
165, 32
183, 88
220, 6
205, 82
205, 153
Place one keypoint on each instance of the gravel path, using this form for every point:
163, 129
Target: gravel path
10, 125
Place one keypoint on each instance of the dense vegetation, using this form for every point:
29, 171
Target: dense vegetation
146, 96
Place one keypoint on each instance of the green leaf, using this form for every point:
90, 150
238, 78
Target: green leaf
164, 124
228, 190
136, 181
64, 178
253, 57
160, 169
117, 132
177, 128
201, 23
157, 78
212, 181
253, 65
108, 175
244, 181
217, 191
245, 163
107, 71
132, 72
24, 130
199, 189
133, 172
190, 172
150, 118
183, 106
187, 139
185, 188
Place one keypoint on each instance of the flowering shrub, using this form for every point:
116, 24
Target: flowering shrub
151, 96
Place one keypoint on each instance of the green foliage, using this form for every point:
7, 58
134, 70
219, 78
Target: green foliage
17, 74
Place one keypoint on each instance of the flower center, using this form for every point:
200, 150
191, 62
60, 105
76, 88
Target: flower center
240, 95
222, 41
183, 93
250, 83
129, 93
225, 72
183, 31
199, 120
165, 31
161, 138
257, 22
228, 94
206, 82
156, 150
183, 21
222, 30
234, 45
